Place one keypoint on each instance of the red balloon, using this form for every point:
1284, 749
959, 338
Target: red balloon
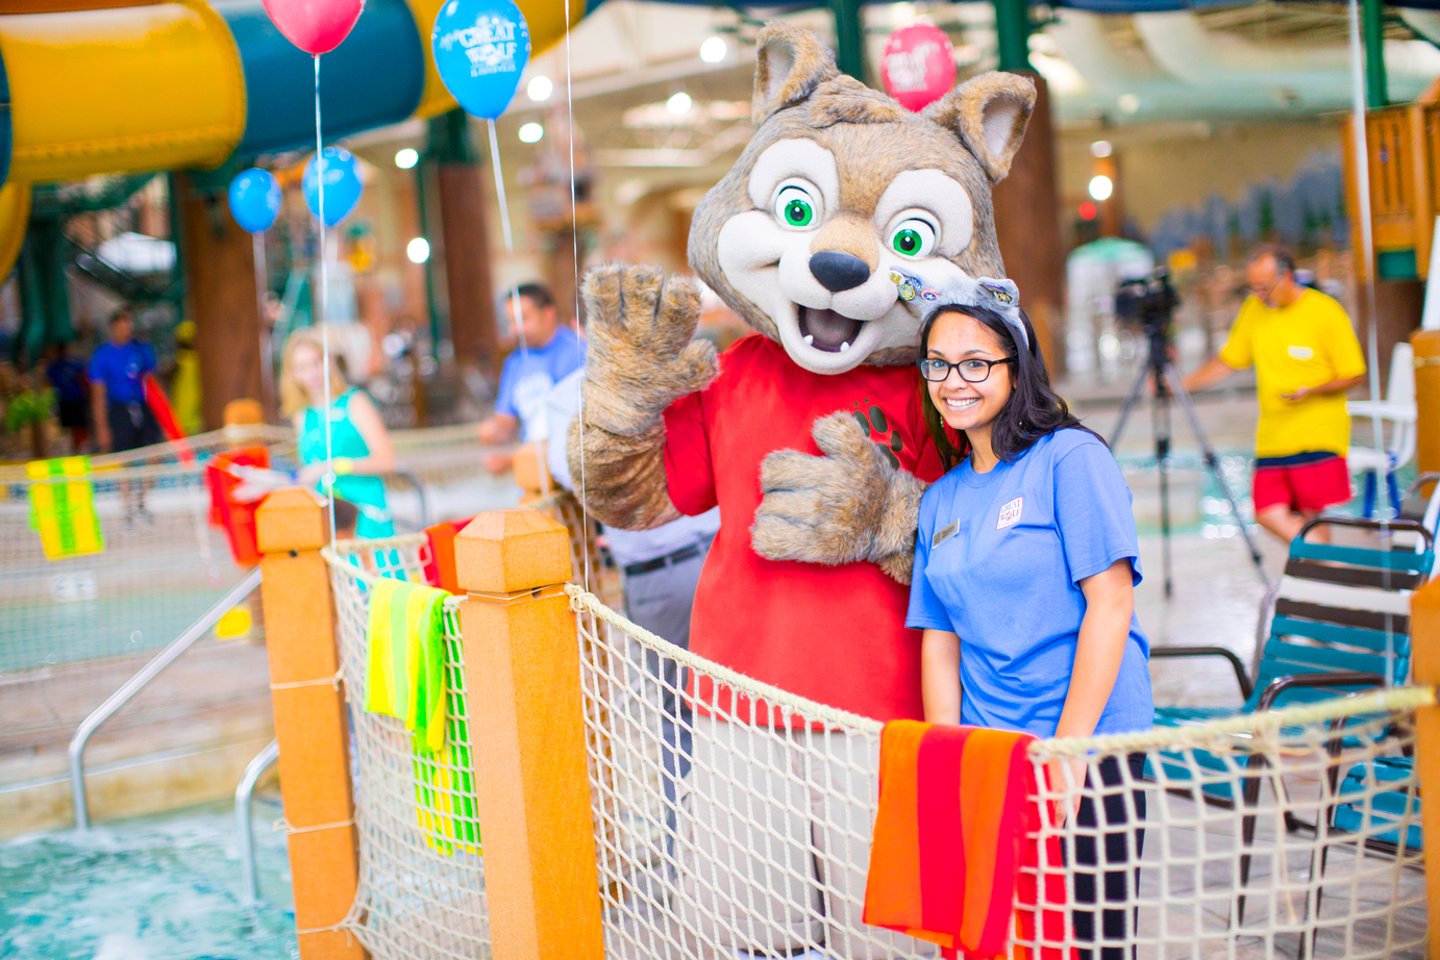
315, 26
918, 65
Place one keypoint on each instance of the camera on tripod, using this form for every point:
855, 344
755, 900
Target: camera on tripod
1147, 302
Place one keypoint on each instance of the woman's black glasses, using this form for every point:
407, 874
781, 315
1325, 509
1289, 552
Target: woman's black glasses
973, 370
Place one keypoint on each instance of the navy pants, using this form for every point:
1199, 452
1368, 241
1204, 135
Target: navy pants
1107, 866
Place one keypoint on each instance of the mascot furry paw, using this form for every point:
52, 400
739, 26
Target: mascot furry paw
810, 437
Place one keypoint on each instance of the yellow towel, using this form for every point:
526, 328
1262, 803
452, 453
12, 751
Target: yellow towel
63, 513
406, 679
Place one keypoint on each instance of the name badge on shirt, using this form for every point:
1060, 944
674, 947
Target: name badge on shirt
945, 534
1300, 352
1010, 513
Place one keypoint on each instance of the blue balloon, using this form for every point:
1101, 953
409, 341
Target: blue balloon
481, 48
342, 185
255, 199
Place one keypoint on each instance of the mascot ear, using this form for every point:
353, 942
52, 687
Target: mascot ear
989, 114
790, 64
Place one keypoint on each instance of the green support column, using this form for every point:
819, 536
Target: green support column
1372, 17
849, 38
1012, 29
44, 286
176, 293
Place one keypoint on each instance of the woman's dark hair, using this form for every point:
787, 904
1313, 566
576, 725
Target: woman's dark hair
1033, 410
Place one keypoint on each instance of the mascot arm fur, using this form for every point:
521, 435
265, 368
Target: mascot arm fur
641, 359
849, 505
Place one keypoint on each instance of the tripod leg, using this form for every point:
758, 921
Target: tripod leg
1212, 462
1132, 398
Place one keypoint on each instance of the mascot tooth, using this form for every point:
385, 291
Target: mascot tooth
830, 235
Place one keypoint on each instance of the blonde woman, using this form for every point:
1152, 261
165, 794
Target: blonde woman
358, 438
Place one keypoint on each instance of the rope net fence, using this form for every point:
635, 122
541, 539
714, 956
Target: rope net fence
161, 566
422, 882
735, 820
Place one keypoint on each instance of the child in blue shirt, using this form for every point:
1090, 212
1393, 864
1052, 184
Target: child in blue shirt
1025, 568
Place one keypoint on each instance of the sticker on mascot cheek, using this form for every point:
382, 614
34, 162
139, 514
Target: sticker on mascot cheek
1010, 513
944, 534
907, 288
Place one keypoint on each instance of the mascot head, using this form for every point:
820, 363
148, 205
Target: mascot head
845, 211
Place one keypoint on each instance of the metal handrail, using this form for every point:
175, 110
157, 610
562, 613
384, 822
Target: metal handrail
244, 793
139, 681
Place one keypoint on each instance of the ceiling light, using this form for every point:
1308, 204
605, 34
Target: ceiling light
406, 158
1101, 149
539, 88
531, 132
1128, 102
714, 49
679, 104
418, 250
1101, 187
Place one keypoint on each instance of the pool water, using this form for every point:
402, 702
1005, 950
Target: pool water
163, 887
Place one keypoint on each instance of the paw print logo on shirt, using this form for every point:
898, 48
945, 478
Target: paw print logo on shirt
874, 422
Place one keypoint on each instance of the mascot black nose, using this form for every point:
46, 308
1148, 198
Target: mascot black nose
839, 271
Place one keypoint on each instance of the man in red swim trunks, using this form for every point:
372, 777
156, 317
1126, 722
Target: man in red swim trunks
1306, 357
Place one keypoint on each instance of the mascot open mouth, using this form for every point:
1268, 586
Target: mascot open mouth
827, 330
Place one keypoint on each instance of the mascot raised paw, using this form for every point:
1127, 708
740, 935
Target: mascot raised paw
830, 236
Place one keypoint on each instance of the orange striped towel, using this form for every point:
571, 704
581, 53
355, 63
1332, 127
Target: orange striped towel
954, 855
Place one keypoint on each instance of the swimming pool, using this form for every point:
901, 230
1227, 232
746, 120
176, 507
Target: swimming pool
163, 887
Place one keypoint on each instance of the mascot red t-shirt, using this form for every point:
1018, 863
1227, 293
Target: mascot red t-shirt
845, 643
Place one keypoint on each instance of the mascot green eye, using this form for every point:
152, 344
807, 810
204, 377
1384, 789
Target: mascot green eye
795, 208
913, 238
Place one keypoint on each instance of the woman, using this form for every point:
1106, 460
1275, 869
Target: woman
359, 442
1025, 568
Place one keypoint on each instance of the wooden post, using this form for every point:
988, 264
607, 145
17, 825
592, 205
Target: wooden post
1425, 664
309, 721
522, 669
221, 299
532, 475
1027, 227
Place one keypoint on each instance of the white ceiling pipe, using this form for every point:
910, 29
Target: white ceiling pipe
1183, 47
1109, 73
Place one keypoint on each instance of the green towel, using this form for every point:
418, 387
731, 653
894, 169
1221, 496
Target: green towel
413, 641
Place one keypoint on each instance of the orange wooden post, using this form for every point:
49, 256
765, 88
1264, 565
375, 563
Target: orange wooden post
309, 721
532, 475
522, 676
1425, 664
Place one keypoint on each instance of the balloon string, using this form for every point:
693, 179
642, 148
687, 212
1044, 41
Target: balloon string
329, 480
262, 289
575, 254
513, 298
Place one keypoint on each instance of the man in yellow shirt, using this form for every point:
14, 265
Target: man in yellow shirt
1306, 357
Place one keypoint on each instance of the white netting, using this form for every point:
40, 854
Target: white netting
422, 883
717, 837
761, 846
163, 565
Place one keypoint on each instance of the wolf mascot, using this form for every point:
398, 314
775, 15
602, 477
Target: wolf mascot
809, 436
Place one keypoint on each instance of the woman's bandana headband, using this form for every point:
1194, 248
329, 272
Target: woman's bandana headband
1000, 295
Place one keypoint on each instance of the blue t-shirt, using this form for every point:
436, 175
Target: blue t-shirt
998, 562
122, 369
530, 374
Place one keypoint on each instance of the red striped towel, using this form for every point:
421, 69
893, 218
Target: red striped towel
954, 850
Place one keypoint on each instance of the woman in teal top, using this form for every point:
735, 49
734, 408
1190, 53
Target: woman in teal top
359, 443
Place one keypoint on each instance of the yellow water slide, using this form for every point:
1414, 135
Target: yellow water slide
98, 87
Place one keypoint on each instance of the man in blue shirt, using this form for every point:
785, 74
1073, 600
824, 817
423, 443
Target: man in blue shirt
123, 420
547, 353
